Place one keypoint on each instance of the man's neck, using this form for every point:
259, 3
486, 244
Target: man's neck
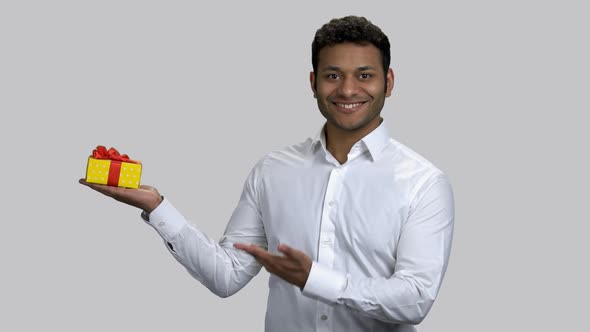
339, 141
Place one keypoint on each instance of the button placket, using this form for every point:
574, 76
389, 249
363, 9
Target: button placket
327, 239
329, 213
324, 317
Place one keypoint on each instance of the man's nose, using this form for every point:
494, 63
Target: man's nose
348, 87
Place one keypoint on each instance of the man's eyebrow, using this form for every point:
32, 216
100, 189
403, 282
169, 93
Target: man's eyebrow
331, 68
336, 68
365, 68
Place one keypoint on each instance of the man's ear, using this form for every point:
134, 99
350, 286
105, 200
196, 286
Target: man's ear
389, 77
313, 83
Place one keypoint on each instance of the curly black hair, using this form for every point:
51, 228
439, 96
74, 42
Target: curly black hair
354, 29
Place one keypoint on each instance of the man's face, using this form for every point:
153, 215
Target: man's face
350, 86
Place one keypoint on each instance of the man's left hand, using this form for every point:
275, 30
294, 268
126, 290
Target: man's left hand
293, 266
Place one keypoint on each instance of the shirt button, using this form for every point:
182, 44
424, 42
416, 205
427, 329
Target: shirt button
331, 203
324, 317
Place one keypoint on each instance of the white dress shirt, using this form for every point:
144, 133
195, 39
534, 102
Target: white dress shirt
378, 229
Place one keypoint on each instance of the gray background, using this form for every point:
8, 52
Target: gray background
495, 93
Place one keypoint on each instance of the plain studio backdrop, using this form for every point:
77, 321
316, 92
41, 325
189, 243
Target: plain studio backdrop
495, 93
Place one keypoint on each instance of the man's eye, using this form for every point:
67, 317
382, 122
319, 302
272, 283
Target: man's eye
366, 76
332, 76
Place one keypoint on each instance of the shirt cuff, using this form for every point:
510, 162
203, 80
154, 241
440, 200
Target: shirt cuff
165, 219
324, 284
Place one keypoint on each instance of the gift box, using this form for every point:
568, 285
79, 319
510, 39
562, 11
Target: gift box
113, 169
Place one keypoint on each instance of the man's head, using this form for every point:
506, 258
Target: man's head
353, 29
351, 76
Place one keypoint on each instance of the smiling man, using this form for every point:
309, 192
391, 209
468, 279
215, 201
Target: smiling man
350, 83
354, 227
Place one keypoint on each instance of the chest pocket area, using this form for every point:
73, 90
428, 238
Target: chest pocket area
368, 229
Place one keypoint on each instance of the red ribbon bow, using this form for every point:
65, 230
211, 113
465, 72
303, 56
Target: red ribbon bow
102, 153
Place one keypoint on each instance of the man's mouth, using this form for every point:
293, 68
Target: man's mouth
348, 107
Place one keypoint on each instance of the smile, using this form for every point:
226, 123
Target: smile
348, 107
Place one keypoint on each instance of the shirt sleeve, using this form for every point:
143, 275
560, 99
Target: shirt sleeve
422, 257
217, 265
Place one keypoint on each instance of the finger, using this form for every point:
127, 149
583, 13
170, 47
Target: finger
261, 255
91, 185
257, 253
241, 246
288, 251
250, 248
104, 189
149, 188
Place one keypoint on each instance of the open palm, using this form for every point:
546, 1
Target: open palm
145, 197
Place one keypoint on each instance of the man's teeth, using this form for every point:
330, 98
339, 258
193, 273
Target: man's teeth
349, 105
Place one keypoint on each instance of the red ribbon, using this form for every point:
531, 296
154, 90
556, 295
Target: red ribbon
115, 168
102, 153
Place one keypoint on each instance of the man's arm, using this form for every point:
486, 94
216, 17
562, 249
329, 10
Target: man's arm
219, 266
404, 297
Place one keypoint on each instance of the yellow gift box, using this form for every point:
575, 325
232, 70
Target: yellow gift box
110, 168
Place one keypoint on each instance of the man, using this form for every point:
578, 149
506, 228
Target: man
354, 227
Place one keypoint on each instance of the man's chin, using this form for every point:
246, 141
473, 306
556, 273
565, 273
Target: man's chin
356, 124
349, 126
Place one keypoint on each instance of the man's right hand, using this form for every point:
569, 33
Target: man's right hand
146, 198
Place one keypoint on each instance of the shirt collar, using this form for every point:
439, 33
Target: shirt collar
375, 141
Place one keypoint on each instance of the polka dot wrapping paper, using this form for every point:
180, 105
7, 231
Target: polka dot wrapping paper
113, 169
